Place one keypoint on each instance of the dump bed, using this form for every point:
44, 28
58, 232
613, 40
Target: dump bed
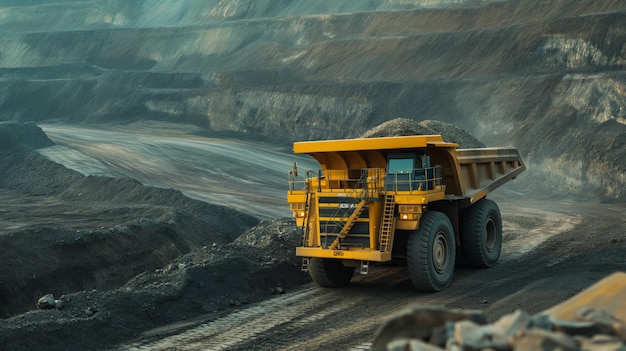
468, 174
483, 170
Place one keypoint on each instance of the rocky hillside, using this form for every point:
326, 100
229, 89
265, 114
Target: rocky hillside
545, 76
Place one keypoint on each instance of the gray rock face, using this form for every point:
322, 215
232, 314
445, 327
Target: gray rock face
298, 71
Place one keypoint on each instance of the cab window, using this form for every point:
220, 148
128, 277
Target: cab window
400, 165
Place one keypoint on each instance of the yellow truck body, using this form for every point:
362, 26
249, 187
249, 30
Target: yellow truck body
417, 199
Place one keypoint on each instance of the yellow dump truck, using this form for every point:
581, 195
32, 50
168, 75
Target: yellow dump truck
416, 199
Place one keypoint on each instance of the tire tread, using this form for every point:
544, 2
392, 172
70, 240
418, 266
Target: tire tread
472, 223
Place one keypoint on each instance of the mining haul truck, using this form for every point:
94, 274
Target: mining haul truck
414, 199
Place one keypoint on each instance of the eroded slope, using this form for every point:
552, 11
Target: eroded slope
546, 77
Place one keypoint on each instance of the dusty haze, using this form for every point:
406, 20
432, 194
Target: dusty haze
546, 77
143, 144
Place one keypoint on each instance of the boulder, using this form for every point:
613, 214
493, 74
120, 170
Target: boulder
46, 302
581, 323
421, 322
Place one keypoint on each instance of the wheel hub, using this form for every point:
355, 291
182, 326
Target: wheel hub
490, 234
440, 252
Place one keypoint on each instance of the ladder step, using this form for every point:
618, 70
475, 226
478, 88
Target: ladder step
364, 267
386, 227
305, 264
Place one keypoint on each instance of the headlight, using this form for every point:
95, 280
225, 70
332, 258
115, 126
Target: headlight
407, 216
298, 209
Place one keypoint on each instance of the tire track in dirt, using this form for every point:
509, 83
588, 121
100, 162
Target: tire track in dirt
244, 325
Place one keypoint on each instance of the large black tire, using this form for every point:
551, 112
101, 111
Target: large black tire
330, 273
481, 234
431, 253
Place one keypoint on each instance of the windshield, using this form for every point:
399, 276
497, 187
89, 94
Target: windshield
400, 165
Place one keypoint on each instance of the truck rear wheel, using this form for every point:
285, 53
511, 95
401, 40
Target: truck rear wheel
481, 234
431, 253
330, 273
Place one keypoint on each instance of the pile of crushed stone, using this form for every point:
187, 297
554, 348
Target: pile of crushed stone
113, 258
205, 282
436, 328
593, 319
406, 127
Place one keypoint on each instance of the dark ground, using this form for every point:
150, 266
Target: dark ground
544, 76
84, 239
125, 258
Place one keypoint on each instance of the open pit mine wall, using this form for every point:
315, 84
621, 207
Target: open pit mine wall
546, 77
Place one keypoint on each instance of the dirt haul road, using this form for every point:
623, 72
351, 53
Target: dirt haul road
248, 176
551, 251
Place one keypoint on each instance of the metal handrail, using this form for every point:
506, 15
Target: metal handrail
418, 179
369, 181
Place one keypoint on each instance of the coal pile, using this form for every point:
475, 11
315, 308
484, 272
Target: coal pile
91, 261
406, 127
24, 134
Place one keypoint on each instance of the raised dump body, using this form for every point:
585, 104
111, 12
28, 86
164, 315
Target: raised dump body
417, 199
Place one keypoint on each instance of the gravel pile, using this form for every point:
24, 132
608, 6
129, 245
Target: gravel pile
406, 127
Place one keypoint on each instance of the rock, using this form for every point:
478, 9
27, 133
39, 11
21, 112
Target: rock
441, 335
581, 323
513, 322
46, 302
543, 340
585, 329
498, 336
588, 322
278, 290
602, 343
411, 345
604, 320
541, 321
519, 331
420, 322
90, 311
470, 336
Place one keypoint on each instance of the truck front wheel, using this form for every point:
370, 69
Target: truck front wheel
330, 273
431, 253
481, 234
